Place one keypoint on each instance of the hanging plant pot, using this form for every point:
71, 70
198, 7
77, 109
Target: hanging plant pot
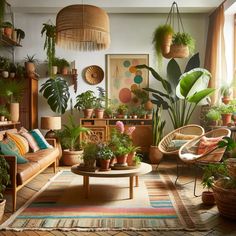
166, 43
179, 51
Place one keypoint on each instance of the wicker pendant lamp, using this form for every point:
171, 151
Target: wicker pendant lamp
83, 28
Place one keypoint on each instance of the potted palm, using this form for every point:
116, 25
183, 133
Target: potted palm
69, 138
155, 155
85, 102
4, 181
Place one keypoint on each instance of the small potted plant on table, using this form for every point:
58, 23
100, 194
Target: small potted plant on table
90, 156
104, 155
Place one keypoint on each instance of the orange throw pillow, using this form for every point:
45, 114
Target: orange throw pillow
207, 144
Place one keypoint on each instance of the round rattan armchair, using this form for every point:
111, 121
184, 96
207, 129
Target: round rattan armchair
191, 129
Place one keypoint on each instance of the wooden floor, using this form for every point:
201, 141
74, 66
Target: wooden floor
223, 226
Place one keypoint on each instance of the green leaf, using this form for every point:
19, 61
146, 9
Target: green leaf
199, 96
173, 73
193, 62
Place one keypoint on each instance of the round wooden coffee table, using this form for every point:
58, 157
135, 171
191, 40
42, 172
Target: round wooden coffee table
144, 168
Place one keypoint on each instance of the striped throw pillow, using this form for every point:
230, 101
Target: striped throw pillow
41, 141
21, 143
32, 143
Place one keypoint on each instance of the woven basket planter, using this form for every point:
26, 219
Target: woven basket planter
179, 51
231, 167
225, 199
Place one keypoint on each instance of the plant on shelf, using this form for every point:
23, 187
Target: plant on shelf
226, 112
69, 138
56, 91
122, 110
140, 111
20, 34
49, 44
5, 68
213, 115
12, 70
64, 65
4, 181
4, 113
104, 155
162, 40
100, 103
7, 28
158, 125
90, 154
30, 62
182, 92
20, 71
225, 92
86, 102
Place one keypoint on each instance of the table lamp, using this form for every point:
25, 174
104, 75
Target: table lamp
51, 123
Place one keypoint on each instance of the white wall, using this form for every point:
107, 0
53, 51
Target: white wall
130, 33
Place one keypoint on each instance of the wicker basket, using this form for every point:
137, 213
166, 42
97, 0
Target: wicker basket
2, 208
231, 167
225, 199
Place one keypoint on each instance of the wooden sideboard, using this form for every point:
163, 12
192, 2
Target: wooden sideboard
101, 129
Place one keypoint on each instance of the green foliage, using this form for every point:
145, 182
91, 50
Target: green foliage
56, 91
137, 159
226, 109
90, 151
60, 62
70, 135
12, 90
121, 150
85, 100
32, 58
12, 67
227, 142
2, 10
49, 44
213, 114
131, 148
141, 94
4, 176
20, 33
20, 71
4, 111
226, 90
6, 24
104, 151
184, 39
140, 111
101, 99
157, 126
4, 62
182, 93
122, 109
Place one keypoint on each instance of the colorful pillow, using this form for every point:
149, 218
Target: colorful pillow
32, 143
8, 147
207, 144
41, 141
20, 141
180, 136
176, 144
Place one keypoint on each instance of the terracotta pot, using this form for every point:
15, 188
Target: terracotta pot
226, 119
64, 70
71, 158
148, 105
105, 164
149, 116
8, 32
122, 159
88, 113
177, 51
99, 113
208, 198
226, 100
130, 158
14, 111
165, 46
29, 67
2, 208
155, 155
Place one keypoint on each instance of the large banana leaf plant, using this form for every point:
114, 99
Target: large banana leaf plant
56, 91
181, 93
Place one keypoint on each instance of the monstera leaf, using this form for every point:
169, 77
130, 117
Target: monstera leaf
56, 91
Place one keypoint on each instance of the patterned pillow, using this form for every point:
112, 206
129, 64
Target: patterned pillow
8, 147
176, 144
207, 144
32, 143
41, 141
20, 141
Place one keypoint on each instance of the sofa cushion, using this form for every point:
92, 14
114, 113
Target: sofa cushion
8, 148
20, 141
41, 141
26, 171
43, 157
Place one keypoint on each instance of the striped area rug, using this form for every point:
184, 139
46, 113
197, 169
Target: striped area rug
61, 205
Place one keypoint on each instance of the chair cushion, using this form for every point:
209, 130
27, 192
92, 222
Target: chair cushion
207, 144
8, 148
176, 144
20, 141
180, 136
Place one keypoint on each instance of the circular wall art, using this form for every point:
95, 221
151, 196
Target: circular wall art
93, 74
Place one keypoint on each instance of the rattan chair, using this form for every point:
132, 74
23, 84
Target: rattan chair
188, 130
188, 153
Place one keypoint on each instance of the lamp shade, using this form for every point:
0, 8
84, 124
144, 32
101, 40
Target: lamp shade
83, 28
51, 122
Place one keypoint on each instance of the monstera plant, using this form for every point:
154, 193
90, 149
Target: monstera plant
56, 91
182, 92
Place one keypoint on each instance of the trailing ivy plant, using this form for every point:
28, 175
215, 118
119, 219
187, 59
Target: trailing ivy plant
56, 91
182, 92
49, 44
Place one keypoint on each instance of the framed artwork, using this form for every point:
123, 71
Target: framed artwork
122, 77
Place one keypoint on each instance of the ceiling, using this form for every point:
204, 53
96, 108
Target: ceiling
116, 6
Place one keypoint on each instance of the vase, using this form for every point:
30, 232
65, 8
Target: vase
14, 111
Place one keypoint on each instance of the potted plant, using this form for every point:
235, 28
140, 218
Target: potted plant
4, 181
3, 62
213, 115
162, 38
69, 138
131, 154
56, 91
20, 35
90, 155
100, 103
4, 113
49, 44
12, 91
63, 66
158, 125
226, 112
85, 102
30, 64
5, 68
12, 70
207, 180
7, 28
182, 45
122, 110
137, 159
104, 155
225, 92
